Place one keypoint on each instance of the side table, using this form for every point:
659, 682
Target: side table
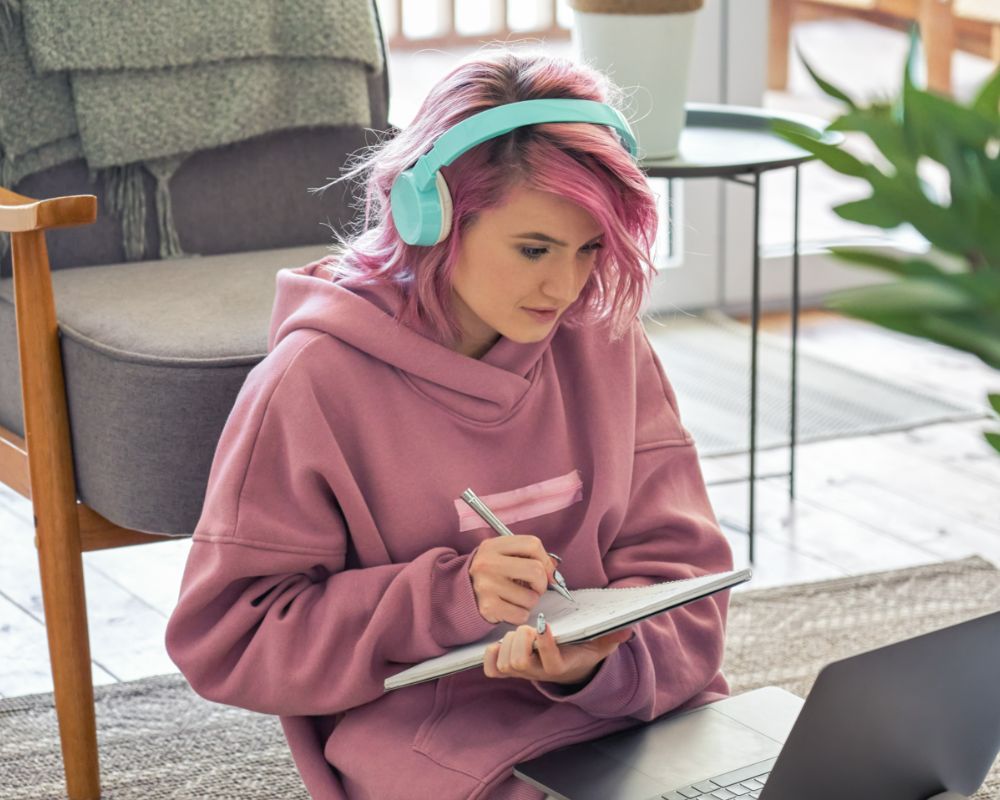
730, 142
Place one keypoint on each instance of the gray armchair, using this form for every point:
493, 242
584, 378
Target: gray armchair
116, 376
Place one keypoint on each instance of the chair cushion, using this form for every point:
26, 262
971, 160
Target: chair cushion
154, 354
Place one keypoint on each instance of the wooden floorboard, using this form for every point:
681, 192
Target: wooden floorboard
862, 504
126, 639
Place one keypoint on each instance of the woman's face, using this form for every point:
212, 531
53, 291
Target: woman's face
536, 251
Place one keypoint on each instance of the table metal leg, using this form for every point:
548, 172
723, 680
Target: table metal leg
755, 322
795, 338
720, 273
754, 328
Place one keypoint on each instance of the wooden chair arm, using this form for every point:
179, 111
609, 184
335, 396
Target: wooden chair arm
19, 213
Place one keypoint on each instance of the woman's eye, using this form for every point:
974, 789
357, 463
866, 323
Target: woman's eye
533, 253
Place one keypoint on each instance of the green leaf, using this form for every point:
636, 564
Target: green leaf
943, 227
974, 205
982, 287
978, 334
899, 199
933, 114
987, 99
993, 439
994, 401
831, 155
871, 211
909, 297
991, 166
910, 324
986, 230
902, 112
911, 267
826, 86
884, 133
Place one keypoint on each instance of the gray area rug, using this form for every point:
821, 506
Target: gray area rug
708, 363
159, 740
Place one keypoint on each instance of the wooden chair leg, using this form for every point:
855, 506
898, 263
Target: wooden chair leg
53, 495
779, 40
65, 601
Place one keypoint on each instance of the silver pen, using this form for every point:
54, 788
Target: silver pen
494, 521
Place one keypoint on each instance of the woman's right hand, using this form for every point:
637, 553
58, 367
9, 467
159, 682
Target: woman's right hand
509, 574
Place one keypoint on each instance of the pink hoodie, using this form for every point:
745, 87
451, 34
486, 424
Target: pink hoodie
333, 546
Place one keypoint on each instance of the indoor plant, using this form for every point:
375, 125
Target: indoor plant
952, 294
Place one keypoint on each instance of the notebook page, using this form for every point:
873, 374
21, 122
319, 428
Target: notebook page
602, 609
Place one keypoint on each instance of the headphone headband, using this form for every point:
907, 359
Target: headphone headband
499, 120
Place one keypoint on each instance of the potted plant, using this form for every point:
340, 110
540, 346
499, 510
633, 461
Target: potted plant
952, 295
645, 47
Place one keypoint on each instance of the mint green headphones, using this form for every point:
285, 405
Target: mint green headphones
420, 201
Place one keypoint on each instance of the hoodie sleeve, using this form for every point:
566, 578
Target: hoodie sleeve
669, 532
269, 617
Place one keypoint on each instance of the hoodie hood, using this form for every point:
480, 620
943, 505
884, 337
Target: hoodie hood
487, 389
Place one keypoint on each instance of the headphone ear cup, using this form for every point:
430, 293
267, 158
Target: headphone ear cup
421, 217
405, 207
444, 196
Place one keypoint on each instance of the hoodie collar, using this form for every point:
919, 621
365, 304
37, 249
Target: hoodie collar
486, 390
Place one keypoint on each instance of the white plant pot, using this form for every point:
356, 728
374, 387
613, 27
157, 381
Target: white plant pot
649, 56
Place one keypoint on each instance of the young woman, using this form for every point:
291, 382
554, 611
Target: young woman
505, 354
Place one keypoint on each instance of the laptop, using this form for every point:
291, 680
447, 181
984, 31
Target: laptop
908, 721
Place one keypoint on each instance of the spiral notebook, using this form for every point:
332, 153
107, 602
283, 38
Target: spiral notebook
594, 613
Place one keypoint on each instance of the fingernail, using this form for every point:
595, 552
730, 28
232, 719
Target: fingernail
540, 623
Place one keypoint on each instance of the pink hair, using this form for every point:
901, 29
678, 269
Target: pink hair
583, 162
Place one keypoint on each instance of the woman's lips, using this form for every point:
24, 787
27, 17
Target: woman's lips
542, 316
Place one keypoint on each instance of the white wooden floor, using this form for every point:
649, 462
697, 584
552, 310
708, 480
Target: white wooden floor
864, 504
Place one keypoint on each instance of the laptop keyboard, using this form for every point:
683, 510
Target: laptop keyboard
745, 782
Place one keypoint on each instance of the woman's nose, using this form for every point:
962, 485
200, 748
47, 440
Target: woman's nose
561, 283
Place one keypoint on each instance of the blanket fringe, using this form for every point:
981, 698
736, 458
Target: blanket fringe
10, 10
7, 181
163, 170
126, 198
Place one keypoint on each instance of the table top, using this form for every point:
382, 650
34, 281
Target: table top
721, 139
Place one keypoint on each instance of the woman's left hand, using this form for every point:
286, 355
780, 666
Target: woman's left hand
513, 656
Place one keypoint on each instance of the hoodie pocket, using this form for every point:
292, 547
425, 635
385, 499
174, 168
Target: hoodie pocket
527, 502
479, 724
442, 701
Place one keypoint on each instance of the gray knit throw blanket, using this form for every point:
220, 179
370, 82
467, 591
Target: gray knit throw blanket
146, 83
